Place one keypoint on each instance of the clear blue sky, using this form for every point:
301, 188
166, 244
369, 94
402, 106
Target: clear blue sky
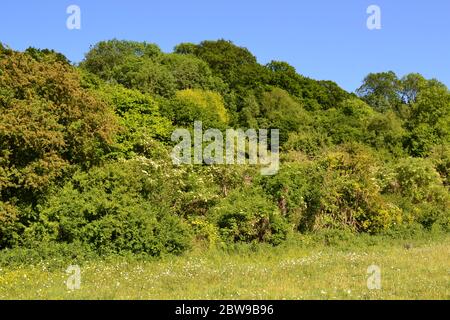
323, 39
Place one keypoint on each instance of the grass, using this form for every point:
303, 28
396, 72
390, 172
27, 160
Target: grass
299, 269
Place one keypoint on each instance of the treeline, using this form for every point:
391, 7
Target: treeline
85, 150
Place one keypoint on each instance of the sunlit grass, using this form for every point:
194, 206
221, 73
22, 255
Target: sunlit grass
420, 270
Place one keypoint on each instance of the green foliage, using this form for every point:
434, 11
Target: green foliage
339, 190
347, 122
385, 132
111, 210
315, 95
197, 105
349, 196
310, 141
85, 152
414, 177
144, 67
45, 55
380, 90
247, 216
291, 190
191, 72
146, 75
412, 84
105, 57
440, 157
47, 123
281, 111
234, 65
420, 191
140, 119
429, 123
9, 225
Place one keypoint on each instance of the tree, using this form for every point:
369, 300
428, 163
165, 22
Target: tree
381, 91
315, 94
198, 105
280, 111
47, 123
146, 75
105, 56
284, 76
347, 122
140, 119
429, 123
191, 72
411, 85
185, 48
235, 65
386, 132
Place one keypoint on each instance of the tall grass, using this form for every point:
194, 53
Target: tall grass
331, 265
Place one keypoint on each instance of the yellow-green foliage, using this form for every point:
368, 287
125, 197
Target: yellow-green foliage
206, 101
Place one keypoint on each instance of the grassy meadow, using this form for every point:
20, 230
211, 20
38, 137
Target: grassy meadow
410, 269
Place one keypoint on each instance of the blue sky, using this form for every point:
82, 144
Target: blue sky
323, 39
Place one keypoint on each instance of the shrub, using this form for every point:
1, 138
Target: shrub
290, 189
440, 158
421, 191
110, 209
414, 177
348, 195
310, 142
385, 132
245, 215
281, 111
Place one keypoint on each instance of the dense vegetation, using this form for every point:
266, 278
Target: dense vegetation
85, 150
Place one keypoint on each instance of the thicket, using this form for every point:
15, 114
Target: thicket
85, 150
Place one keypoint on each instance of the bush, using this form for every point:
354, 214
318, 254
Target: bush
140, 118
110, 209
418, 189
290, 189
281, 111
415, 177
440, 158
310, 142
51, 256
348, 195
247, 216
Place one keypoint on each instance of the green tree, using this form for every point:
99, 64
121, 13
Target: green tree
47, 122
381, 91
280, 111
191, 72
103, 58
140, 119
429, 123
197, 105
235, 65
